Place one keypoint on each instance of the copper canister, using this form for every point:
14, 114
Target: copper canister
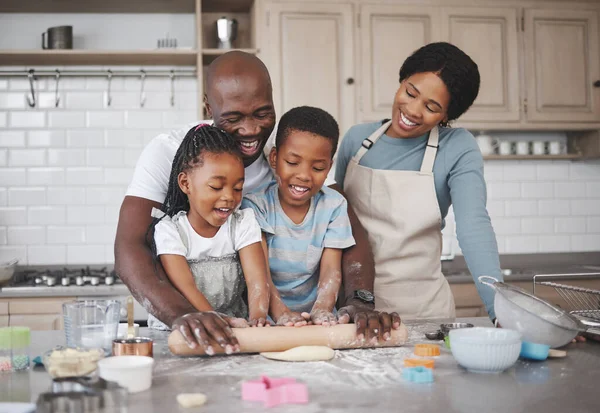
137, 346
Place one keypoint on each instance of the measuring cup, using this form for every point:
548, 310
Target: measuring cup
91, 323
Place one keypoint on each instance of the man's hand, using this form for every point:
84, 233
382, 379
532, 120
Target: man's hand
371, 325
199, 328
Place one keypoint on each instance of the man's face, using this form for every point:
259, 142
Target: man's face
243, 107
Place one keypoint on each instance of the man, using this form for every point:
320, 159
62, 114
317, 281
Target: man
239, 99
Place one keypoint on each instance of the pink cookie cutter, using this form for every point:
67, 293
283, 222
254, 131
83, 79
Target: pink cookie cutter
275, 391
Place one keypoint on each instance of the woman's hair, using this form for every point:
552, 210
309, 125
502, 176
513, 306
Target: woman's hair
456, 69
197, 142
311, 120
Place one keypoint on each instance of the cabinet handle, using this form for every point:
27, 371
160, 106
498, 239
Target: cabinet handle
350, 81
597, 83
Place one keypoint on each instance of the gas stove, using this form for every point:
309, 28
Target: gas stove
64, 277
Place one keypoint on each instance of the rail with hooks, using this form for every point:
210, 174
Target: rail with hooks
33, 74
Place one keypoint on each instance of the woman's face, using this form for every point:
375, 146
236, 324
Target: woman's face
421, 103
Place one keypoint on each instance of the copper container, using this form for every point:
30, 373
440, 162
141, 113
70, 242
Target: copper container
137, 346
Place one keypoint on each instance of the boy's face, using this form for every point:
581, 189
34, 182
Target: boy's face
301, 165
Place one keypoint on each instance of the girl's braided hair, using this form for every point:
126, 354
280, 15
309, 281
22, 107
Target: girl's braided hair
190, 154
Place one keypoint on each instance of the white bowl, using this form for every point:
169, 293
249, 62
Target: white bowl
132, 372
485, 350
7, 269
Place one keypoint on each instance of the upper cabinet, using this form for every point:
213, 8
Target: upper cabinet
497, 57
308, 48
389, 34
562, 65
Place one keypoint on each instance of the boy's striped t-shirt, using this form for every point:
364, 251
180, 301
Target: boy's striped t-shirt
295, 250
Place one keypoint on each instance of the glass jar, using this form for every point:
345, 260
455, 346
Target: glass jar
21, 339
5, 349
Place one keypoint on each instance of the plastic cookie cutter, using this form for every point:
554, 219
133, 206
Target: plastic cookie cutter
417, 374
427, 350
275, 391
419, 362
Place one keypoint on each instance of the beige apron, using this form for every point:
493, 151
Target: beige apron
400, 212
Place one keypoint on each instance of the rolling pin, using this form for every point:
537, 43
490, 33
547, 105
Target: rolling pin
265, 339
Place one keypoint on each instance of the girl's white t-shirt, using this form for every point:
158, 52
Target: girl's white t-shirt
177, 236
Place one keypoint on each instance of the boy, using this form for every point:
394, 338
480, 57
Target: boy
305, 225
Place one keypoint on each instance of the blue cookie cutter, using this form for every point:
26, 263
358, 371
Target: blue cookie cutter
417, 374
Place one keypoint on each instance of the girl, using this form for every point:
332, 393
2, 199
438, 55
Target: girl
201, 237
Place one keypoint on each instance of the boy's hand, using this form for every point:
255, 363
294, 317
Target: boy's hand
260, 321
293, 319
323, 317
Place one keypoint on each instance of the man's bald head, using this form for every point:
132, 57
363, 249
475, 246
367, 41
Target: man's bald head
239, 98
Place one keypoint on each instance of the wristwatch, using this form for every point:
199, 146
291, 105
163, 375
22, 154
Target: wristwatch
365, 296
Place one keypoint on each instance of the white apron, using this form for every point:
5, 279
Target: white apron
400, 212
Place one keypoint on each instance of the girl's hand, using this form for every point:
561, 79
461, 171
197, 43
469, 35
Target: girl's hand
323, 317
259, 322
293, 319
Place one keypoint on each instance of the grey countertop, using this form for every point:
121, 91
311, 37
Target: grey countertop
354, 381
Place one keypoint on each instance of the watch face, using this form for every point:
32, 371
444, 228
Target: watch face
365, 295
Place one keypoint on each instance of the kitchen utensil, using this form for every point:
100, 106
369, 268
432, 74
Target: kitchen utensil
538, 148
132, 372
130, 329
522, 148
505, 148
487, 144
537, 320
435, 335
258, 340
226, 32
534, 351
445, 328
555, 147
136, 346
60, 37
485, 350
7, 269
71, 362
91, 323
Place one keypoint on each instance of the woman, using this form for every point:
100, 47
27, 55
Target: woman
402, 175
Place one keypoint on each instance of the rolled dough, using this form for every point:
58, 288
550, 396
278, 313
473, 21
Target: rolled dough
302, 353
191, 399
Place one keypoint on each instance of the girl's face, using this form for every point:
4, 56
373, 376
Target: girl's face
301, 165
214, 190
421, 103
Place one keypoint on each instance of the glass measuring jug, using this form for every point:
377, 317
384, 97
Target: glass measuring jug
91, 323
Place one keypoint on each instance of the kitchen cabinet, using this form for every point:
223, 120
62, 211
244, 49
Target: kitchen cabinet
37, 313
308, 48
388, 35
562, 65
497, 57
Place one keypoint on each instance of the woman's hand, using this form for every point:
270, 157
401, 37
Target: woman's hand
322, 317
293, 319
202, 327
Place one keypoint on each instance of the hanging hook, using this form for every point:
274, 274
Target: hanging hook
172, 77
31, 98
142, 94
108, 97
56, 97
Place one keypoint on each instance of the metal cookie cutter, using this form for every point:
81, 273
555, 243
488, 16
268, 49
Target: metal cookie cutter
83, 394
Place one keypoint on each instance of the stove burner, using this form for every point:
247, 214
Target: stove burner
65, 277
65, 281
109, 280
79, 280
94, 280
50, 281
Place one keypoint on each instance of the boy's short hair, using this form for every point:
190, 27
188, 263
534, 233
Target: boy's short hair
308, 119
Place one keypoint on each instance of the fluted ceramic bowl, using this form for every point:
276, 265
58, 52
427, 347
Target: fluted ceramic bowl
485, 350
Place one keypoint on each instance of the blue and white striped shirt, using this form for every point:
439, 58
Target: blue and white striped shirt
295, 250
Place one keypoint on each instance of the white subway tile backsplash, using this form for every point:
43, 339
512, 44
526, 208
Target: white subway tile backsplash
66, 157
118, 176
26, 235
552, 170
66, 195
47, 100
47, 254
85, 176
105, 119
3, 239
521, 244
105, 157
100, 234
3, 197
593, 190
26, 196
46, 138
86, 254
105, 195
66, 119
13, 215
84, 100
3, 84
570, 225
537, 190
12, 139
27, 157
13, 177
125, 138
504, 190
45, 176
22, 83
554, 243
124, 100
521, 208
587, 170
585, 207
12, 101
85, 138
534, 225
84, 214
143, 119
130, 156
568, 190
554, 207
493, 171
8, 252
506, 226
65, 235
47, 215
111, 214
3, 157
3, 119
29, 119
174, 119
593, 224
520, 172
587, 242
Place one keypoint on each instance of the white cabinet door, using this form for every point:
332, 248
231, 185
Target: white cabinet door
489, 36
308, 48
37, 321
389, 34
562, 63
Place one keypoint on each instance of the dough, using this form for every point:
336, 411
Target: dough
191, 399
302, 353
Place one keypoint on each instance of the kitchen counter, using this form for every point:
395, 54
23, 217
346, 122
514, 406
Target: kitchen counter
355, 381
61, 291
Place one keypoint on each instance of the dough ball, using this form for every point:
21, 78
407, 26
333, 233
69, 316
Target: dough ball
191, 399
302, 353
